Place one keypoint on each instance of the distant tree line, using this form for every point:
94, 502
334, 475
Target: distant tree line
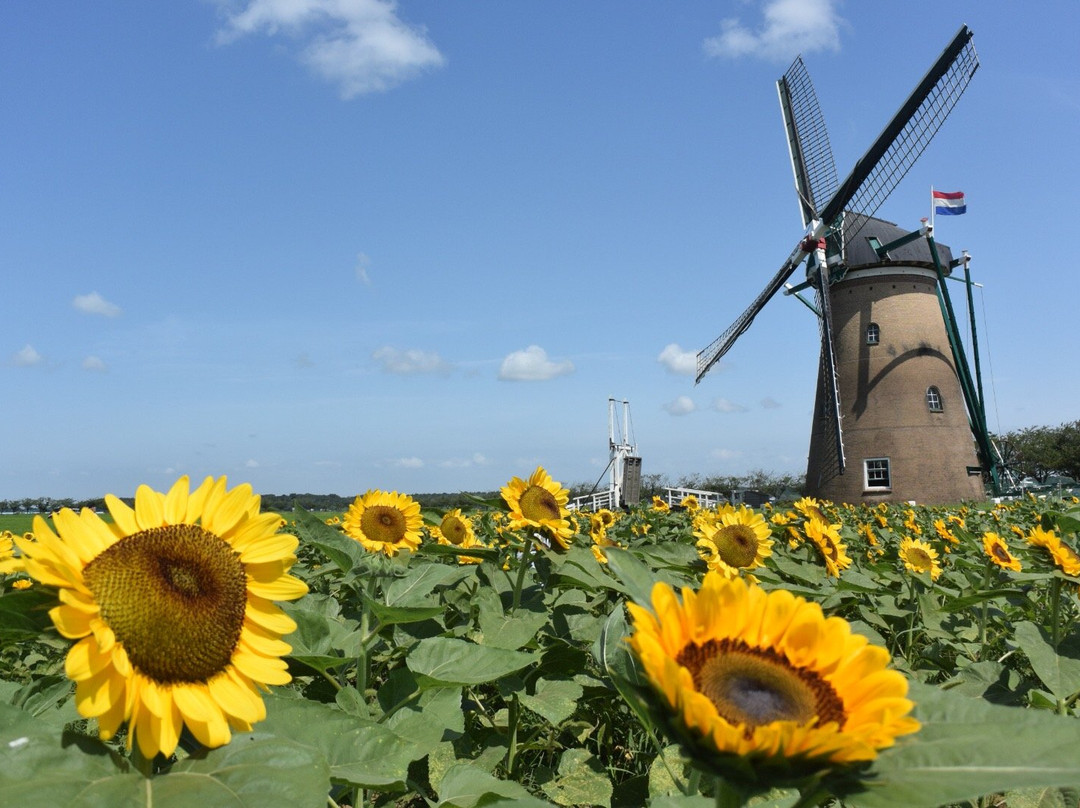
47, 505
768, 483
1042, 452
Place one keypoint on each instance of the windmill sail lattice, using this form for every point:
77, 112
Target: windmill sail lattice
808, 141
873, 177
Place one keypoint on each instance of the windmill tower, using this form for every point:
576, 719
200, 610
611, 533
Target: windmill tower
896, 407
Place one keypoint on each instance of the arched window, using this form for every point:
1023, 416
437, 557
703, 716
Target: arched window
933, 399
873, 334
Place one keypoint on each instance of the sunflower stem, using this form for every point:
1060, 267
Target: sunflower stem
985, 609
728, 795
812, 796
144, 764
525, 560
1055, 611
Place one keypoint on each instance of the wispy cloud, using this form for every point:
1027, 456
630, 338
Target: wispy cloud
726, 454
95, 364
27, 357
723, 405
360, 45
532, 365
790, 27
94, 303
362, 264
465, 462
251, 464
683, 405
412, 360
770, 403
408, 463
676, 360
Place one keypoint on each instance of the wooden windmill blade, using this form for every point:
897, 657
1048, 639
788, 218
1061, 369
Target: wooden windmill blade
871, 180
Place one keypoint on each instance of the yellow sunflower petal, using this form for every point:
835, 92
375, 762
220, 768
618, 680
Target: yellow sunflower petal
149, 507
176, 501
123, 516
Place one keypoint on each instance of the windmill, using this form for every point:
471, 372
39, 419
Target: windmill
874, 282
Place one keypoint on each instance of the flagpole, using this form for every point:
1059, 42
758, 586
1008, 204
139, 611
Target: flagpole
931, 208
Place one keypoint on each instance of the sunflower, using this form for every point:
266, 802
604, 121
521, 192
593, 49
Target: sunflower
811, 509
690, 502
9, 562
827, 539
995, 548
457, 530
918, 556
660, 505
384, 522
1066, 559
762, 686
539, 503
736, 540
944, 533
171, 607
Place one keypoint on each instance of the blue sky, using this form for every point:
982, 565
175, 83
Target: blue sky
333, 245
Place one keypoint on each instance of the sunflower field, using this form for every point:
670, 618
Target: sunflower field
192, 649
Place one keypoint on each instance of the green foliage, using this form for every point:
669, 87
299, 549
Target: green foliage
501, 675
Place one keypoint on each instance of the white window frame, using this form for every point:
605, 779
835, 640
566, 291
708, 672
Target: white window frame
933, 399
873, 334
876, 481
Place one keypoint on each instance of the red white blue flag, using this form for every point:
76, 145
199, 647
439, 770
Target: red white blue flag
948, 203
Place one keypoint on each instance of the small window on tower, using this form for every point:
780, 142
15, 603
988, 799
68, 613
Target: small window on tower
873, 334
933, 399
876, 473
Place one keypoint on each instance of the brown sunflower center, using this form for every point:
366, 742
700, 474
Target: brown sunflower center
1000, 553
756, 686
919, 559
175, 598
737, 545
383, 523
454, 529
539, 504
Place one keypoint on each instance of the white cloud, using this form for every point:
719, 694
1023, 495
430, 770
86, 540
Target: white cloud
770, 403
362, 263
360, 45
465, 462
409, 463
723, 405
678, 361
726, 454
532, 365
790, 27
27, 356
395, 360
251, 464
683, 405
95, 364
94, 303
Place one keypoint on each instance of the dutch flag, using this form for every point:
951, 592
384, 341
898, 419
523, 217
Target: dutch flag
949, 203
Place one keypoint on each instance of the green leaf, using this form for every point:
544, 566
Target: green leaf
637, 578
465, 786
39, 766
459, 662
968, 748
554, 699
413, 589
581, 781
393, 615
501, 631
1060, 673
359, 752
344, 552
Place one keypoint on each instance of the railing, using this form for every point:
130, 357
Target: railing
706, 499
594, 501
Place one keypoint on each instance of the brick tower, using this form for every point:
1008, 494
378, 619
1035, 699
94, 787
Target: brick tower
903, 416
